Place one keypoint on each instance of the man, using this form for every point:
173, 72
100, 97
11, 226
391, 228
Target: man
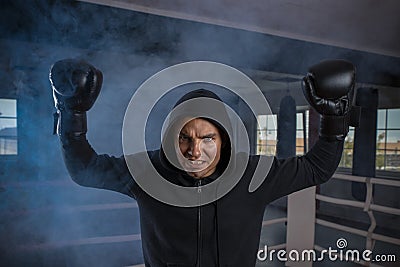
226, 231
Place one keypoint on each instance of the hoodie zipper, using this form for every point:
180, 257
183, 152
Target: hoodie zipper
199, 236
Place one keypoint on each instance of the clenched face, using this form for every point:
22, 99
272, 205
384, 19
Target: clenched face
200, 144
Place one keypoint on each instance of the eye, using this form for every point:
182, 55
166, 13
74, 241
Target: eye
184, 138
208, 139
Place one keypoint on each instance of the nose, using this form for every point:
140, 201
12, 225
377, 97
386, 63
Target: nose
195, 150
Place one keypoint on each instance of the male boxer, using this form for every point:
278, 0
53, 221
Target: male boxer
225, 232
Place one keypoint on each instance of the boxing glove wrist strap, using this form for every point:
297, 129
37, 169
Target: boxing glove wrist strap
334, 127
70, 123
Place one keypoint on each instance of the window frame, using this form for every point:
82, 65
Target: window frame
258, 131
11, 157
385, 149
378, 172
303, 129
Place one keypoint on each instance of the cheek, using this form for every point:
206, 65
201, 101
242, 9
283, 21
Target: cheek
208, 149
183, 148
218, 153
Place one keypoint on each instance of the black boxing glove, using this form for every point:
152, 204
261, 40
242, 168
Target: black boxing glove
329, 88
76, 85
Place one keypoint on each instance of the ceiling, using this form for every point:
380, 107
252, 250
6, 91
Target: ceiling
365, 25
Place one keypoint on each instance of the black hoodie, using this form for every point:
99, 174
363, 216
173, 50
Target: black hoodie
225, 232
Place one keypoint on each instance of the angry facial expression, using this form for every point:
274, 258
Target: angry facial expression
200, 145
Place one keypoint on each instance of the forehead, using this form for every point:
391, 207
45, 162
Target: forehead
199, 125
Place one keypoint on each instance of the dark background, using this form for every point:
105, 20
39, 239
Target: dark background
43, 214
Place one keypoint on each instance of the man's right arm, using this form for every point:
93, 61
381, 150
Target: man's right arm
76, 85
87, 168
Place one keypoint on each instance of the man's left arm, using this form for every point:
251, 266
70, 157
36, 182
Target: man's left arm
293, 174
329, 88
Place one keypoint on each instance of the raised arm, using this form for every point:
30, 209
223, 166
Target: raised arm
329, 88
76, 86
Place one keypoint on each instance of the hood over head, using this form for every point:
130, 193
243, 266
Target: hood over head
202, 104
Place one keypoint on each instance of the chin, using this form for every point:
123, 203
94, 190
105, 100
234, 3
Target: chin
197, 175
201, 174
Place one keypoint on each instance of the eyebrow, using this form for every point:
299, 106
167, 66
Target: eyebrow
210, 135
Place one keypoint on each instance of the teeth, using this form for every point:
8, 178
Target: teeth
197, 162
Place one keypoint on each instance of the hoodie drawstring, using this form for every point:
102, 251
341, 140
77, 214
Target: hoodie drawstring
216, 230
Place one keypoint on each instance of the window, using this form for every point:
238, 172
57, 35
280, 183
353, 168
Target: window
347, 156
267, 133
301, 132
388, 140
8, 127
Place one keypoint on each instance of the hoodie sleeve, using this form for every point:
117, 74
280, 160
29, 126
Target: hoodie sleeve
293, 174
87, 168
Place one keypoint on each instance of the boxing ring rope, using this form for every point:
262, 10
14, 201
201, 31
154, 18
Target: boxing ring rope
274, 221
367, 207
